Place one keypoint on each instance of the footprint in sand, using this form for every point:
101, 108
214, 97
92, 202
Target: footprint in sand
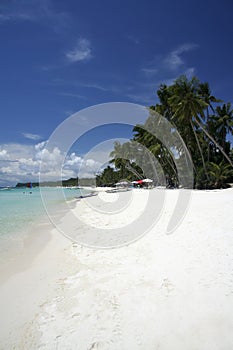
167, 286
98, 345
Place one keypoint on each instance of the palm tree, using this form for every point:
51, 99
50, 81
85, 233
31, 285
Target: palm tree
219, 173
217, 145
164, 108
223, 122
205, 93
124, 157
118, 160
188, 107
157, 148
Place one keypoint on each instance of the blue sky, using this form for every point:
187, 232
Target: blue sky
58, 57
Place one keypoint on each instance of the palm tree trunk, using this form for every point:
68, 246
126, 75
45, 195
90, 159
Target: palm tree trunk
207, 120
134, 171
215, 142
200, 150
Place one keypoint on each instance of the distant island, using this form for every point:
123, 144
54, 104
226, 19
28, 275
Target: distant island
65, 183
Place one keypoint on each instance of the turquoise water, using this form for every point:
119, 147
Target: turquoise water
21, 207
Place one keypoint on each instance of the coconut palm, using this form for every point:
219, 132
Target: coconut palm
223, 121
189, 108
219, 173
156, 147
204, 92
187, 104
217, 145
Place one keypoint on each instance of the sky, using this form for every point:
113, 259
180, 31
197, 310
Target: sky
59, 57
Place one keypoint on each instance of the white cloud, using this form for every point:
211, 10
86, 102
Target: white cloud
174, 60
190, 72
16, 151
4, 155
150, 71
37, 11
94, 86
6, 170
162, 69
17, 16
69, 94
82, 52
22, 163
33, 137
40, 146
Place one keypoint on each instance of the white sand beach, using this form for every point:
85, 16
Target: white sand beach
165, 292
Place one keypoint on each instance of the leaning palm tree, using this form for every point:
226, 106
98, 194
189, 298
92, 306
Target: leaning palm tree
205, 93
223, 121
156, 148
217, 145
118, 159
189, 108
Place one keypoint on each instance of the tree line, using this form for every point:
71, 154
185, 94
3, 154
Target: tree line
72, 182
203, 121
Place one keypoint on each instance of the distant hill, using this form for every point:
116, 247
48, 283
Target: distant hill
65, 183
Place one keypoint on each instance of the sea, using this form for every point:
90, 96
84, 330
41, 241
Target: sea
22, 208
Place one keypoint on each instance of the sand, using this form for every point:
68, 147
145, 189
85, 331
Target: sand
166, 292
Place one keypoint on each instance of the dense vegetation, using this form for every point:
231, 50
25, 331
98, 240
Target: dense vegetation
202, 120
65, 183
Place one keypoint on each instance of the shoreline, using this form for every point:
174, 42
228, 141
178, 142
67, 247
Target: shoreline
14, 244
138, 293
27, 283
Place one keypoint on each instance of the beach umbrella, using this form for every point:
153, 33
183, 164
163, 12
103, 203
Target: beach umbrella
123, 183
139, 182
147, 180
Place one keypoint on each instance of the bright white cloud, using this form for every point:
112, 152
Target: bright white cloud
82, 51
40, 146
22, 163
3, 154
6, 170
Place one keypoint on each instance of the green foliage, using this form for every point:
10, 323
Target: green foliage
187, 104
219, 174
65, 183
107, 178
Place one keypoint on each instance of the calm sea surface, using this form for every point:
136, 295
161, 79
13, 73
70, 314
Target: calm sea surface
20, 208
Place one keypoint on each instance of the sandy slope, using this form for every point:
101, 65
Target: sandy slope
161, 292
